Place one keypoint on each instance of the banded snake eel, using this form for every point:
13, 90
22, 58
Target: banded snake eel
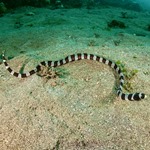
75, 57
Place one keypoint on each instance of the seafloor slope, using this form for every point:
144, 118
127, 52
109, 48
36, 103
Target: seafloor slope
79, 109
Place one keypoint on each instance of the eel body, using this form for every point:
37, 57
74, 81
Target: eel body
75, 57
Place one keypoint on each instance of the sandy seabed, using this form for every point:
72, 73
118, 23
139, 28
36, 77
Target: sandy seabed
79, 110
